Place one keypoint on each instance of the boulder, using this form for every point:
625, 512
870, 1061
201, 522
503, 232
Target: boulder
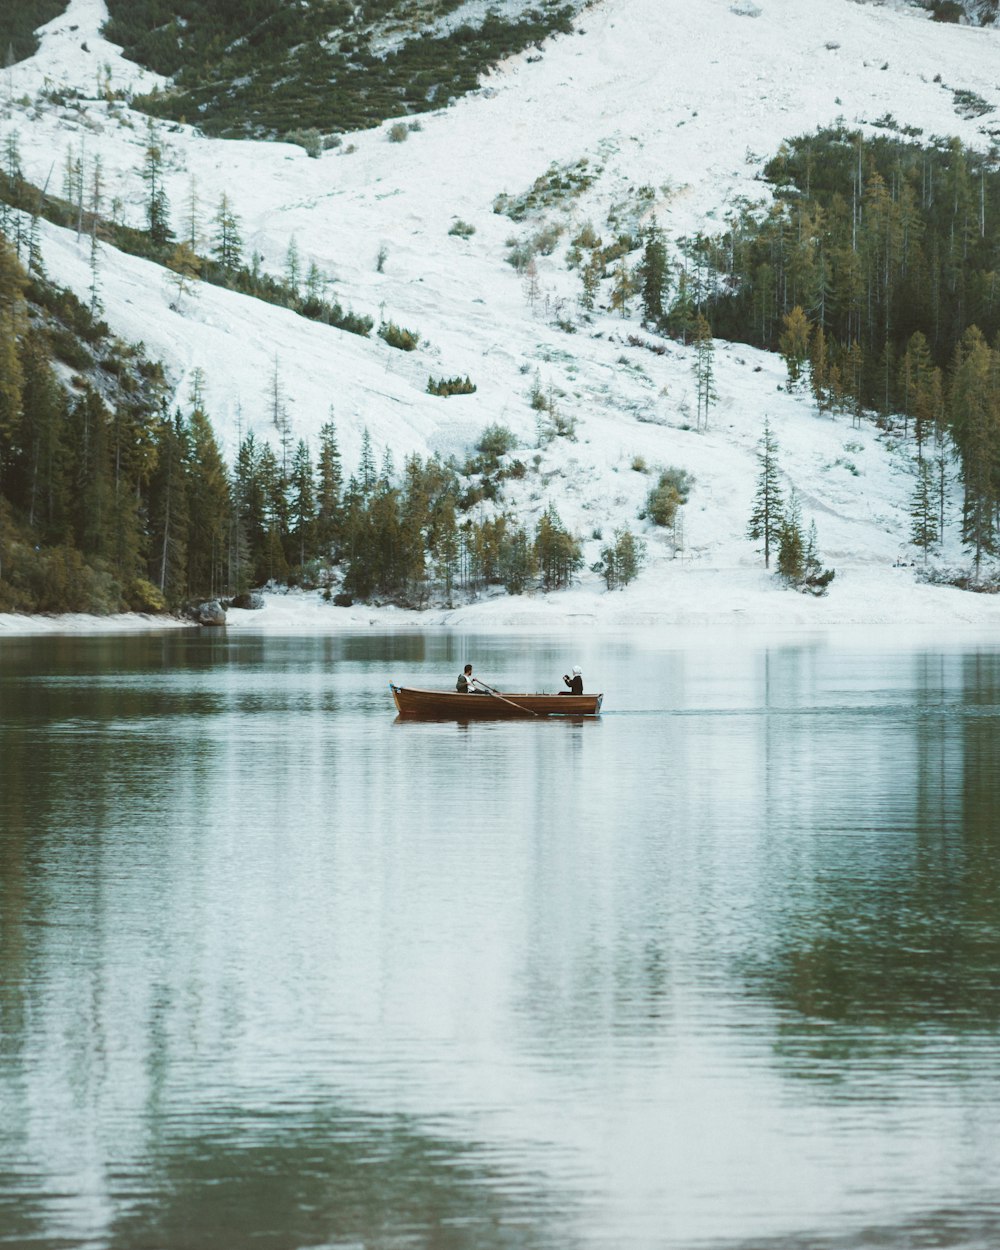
210, 613
251, 601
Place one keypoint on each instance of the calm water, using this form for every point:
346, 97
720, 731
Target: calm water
721, 969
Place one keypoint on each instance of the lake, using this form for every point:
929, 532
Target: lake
719, 969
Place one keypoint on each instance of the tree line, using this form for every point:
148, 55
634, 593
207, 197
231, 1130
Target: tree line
875, 273
112, 500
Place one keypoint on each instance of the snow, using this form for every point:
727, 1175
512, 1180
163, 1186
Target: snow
686, 99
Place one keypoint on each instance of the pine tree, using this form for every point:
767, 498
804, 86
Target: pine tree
209, 504
681, 318
766, 516
330, 487
590, 278
366, 469
654, 277
303, 503
517, 561
250, 506
791, 544
558, 553
90, 481
924, 532
168, 507
157, 205
42, 492
975, 417
819, 370
13, 323
227, 245
621, 560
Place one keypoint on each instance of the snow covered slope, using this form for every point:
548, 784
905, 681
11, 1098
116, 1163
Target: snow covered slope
684, 99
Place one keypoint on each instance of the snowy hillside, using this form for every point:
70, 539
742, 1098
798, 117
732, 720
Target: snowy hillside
685, 100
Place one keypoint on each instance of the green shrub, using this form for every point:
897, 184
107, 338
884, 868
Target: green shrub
311, 140
450, 386
462, 229
621, 560
143, 596
396, 336
496, 441
672, 489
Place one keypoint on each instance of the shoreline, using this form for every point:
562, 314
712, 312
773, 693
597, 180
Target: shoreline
726, 599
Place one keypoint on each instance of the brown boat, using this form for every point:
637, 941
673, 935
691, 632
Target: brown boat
490, 705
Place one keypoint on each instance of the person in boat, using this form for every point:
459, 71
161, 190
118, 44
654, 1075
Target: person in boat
575, 682
465, 679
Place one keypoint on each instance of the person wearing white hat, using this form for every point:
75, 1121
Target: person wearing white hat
575, 682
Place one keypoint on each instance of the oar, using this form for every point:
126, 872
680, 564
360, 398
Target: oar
495, 694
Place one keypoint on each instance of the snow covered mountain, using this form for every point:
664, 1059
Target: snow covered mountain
673, 107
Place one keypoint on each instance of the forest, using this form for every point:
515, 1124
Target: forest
267, 69
876, 273
18, 23
873, 273
111, 499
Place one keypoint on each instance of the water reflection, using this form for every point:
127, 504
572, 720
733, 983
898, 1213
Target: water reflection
719, 969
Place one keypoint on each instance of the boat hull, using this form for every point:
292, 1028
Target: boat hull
450, 705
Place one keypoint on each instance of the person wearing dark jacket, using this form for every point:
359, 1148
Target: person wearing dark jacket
464, 683
575, 682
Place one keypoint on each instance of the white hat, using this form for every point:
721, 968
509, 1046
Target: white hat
576, 670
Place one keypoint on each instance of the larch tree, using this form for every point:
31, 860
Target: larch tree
704, 370
793, 344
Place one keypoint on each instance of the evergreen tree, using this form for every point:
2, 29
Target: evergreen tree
90, 484
791, 543
621, 560
251, 507
654, 277
209, 506
303, 503
227, 245
590, 278
975, 419
157, 205
366, 470
819, 370
768, 509
681, 318
168, 507
273, 562
518, 563
41, 486
924, 532
13, 323
330, 487
558, 553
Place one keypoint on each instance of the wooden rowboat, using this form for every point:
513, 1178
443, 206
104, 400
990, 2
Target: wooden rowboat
450, 705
